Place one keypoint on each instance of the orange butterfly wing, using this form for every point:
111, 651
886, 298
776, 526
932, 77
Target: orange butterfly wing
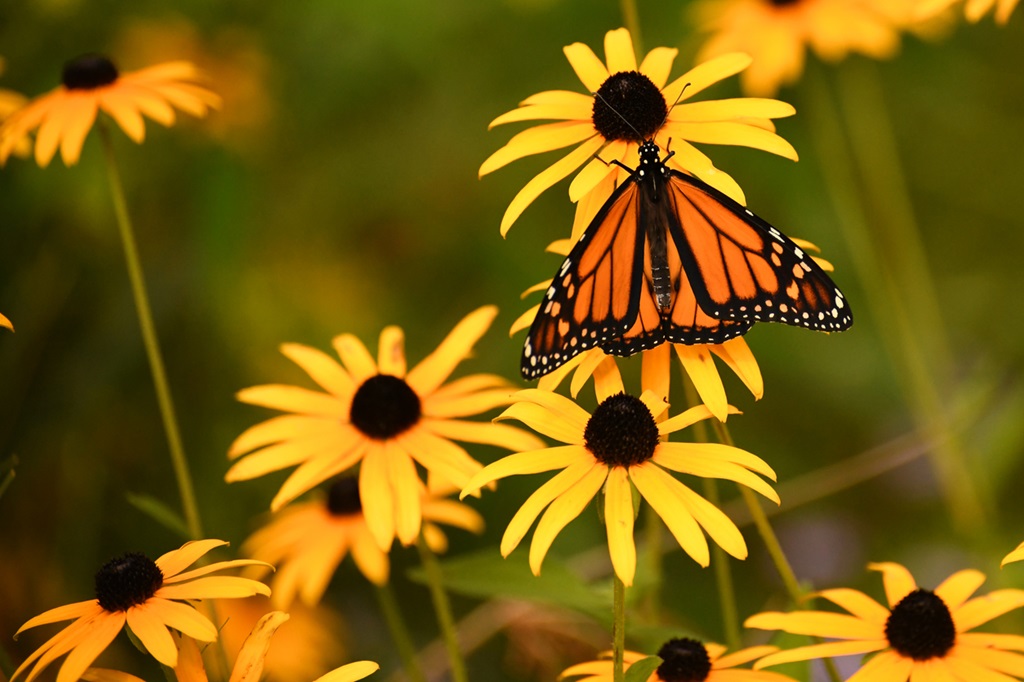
742, 268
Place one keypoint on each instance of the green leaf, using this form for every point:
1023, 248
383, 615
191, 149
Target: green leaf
486, 575
159, 512
642, 669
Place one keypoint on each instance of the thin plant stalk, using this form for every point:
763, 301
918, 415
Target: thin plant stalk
772, 544
903, 324
618, 629
727, 603
399, 632
443, 609
654, 531
149, 338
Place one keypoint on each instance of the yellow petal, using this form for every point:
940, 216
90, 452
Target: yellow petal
593, 174
4, 322
590, 360
685, 419
657, 65
566, 410
350, 673
101, 633
713, 520
737, 355
181, 617
61, 613
618, 518
215, 587
831, 650
154, 635
857, 603
985, 608
355, 357
276, 429
538, 140
732, 133
655, 370
706, 74
440, 456
434, 369
315, 471
322, 368
391, 352
539, 500
818, 624
731, 110
559, 513
590, 70
618, 51
249, 664
125, 113
546, 178
897, 580
489, 433
107, 675
294, 399
372, 562
531, 462
958, 588
543, 420
174, 562
607, 380
51, 130
405, 484
699, 365
658, 493
79, 118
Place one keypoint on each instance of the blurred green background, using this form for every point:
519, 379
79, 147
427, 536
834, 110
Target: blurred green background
337, 192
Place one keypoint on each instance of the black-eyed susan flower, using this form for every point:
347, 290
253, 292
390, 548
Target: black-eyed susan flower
249, 665
613, 450
685, 660
777, 34
150, 597
625, 103
923, 635
974, 10
382, 417
92, 83
306, 542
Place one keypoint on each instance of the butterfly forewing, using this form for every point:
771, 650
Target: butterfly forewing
595, 294
742, 268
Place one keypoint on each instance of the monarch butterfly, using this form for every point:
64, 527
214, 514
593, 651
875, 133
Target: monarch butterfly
710, 269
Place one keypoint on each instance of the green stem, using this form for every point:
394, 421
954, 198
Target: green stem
654, 531
909, 325
727, 603
772, 544
149, 338
443, 608
399, 632
631, 18
618, 630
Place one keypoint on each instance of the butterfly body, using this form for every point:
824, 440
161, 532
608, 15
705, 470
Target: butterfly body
670, 258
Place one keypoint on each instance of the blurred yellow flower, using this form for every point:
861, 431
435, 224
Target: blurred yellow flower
92, 83
10, 102
626, 103
4, 322
306, 542
381, 417
922, 635
974, 10
249, 665
1015, 555
615, 449
777, 33
151, 597
684, 659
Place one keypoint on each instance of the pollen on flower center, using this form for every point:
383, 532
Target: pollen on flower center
343, 497
683, 660
127, 581
621, 432
384, 406
88, 72
628, 106
920, 626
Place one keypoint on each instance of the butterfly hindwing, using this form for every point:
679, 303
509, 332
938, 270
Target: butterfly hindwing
742, 268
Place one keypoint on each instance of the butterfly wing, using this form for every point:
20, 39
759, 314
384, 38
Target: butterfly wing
684, 322
595, 295
741, 268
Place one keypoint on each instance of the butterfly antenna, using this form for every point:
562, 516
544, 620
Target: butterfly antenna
674, 104
616, 111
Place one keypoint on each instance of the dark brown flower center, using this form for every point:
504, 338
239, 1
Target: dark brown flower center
628, 106
621, 432
127, 581
783, 3
88, 72
920, 626
343, 497
384, 406
684, 660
